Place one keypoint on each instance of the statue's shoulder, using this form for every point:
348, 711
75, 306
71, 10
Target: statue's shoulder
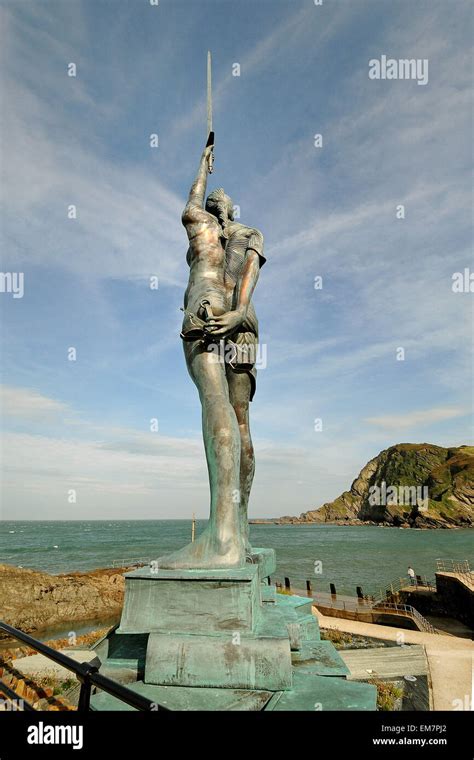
195, 214
243, 230
236, 228
241, 235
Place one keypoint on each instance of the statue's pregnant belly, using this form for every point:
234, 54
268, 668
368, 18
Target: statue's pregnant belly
206, 284
208, 289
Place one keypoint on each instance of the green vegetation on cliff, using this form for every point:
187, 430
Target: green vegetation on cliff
410, 485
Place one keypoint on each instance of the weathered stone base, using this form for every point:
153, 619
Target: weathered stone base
224, 640
309, 694
250, 662
191, 601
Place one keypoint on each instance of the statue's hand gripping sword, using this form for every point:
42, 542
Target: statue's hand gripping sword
210, 133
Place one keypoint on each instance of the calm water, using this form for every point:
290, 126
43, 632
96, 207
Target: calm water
351, 556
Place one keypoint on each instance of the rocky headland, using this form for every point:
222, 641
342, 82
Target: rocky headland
408, 485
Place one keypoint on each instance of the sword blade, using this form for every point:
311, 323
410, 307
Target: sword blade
209, 93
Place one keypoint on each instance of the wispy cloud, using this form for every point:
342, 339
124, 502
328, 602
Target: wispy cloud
128, 221
327, 212
131, 472
26, 404
417, 419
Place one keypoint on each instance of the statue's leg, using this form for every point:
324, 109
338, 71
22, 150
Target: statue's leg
239, 394
221, 543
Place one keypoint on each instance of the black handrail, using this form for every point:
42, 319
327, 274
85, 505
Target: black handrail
87, 673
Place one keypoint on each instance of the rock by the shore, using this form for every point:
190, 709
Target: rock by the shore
447, 474
33, 601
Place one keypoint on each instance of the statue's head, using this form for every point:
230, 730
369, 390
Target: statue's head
220, 205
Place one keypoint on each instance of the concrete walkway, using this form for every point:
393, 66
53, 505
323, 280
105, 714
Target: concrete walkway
449, 658
38, 665
385, 662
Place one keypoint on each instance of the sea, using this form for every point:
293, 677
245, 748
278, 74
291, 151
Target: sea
348, 556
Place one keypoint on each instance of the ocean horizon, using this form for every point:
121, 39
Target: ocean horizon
367, 556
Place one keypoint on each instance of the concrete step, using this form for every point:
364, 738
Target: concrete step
386, 662
119, 673
187, 698
309, 625
268, 594
126, 650
230, 660
312, 693
302, 605
319, 658
300, 627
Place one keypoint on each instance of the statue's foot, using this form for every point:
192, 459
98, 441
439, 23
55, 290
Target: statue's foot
205, 553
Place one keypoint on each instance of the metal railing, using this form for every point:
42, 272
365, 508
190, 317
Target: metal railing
399, 584
408, 611
131, 562
369, 604
458, 567
87, 674
343, 605
391, 589
362, 606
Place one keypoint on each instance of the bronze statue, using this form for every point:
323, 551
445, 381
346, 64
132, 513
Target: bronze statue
224, 259
220, 339
244, 257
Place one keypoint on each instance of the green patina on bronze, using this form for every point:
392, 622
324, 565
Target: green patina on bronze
202, 628
224, 258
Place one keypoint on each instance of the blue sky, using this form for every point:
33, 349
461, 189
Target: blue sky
329, 212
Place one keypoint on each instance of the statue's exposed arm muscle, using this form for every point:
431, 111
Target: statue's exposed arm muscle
256, 244
254, 259
194, 209
248, 280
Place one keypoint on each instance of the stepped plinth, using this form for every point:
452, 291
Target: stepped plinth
225, 636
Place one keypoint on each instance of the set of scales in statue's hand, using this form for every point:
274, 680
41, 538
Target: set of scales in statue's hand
224, 260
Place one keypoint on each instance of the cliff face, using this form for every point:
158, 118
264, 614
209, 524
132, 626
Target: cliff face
410, 485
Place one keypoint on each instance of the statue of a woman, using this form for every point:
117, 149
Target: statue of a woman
218, 310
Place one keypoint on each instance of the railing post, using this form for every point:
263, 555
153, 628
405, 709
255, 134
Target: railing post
85, 693
84, 696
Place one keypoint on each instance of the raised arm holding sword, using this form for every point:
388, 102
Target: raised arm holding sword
224, 259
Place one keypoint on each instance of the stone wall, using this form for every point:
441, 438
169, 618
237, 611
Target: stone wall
452, 598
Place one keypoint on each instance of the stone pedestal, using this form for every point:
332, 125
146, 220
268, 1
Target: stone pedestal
191, 601
224, 640
208, 628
